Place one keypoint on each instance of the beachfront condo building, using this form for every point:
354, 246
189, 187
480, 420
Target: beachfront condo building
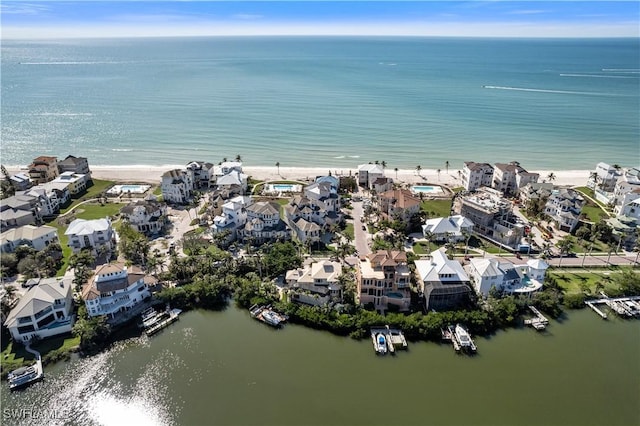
509, 178
43, 169
476, 175
77, 165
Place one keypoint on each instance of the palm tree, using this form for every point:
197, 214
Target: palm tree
610, 247
429, 237
438, 171
278, 166
500, 243
238, 158
564, 246
395, 169
383, 164
446, 166
593, 176
460, 175
418, 169
467, 236
588, 248
636, 246
551, 177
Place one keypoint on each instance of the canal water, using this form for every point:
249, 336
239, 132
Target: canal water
224, 368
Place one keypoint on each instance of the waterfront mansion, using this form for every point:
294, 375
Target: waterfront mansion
115, 288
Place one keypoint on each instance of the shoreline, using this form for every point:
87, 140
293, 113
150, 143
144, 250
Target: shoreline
152, 174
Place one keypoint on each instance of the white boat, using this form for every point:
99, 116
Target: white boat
463, 338
24, 376
381, 343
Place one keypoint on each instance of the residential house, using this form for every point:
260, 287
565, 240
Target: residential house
233, 216
333, 182
564, 207
19, 210
382, 184
20, 181
45, 310
492, 216
48, 204
145, 216
448, 229
625, 230
605, 177
77, 165
535, 191
177, 186
630, 206
263, 224
509, 178
37, 237
115, 288
312, 213
43, 169
383, 278
442, 281
315, 284
368, 173
58, 190
628, 182
505, 276
202, 173
96, 235
76, 183
476, 175
398, 204
233, 182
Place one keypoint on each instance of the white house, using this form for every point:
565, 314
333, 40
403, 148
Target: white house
316, 283
38, 237
368, 173
443, 281
79, 165
48, 203
202, 173
177, 185
45, 310
234, 181
145, 216
631, 206
606, 177
564, 207
20, 181
509, 178
92, 234
234, 216
116, 288
475, 175
452, 228
626, 183
506, 276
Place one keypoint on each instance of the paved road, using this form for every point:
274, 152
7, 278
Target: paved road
361, 237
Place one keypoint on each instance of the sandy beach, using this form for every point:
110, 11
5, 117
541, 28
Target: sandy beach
152, 174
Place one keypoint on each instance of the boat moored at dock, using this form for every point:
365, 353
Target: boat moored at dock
459, 338
392, 338
267, 315
25, 376
155, 323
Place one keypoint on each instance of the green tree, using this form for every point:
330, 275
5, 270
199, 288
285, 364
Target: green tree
278, 166
280, 257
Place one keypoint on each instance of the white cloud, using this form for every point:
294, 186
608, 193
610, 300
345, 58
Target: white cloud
23, 8
246, 16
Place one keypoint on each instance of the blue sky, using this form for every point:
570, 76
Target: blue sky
53, 19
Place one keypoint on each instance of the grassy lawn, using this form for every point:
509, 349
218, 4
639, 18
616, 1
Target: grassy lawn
99, 186
589, 192
436, 208
422, 247
579, 282
14, 356
349, 231
92, 211
86, 211
594, 213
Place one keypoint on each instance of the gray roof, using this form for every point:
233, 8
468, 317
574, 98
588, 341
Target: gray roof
39, 297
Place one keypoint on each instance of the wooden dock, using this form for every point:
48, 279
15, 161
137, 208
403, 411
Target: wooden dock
539, 322
623, 306
395, 338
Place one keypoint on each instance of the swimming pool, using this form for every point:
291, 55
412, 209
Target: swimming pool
283, 187
426, 189
128, 189
395, 295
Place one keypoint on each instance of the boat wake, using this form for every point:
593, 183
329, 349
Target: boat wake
564, 92
596, 76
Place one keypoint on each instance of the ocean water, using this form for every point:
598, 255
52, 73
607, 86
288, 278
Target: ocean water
323, 101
